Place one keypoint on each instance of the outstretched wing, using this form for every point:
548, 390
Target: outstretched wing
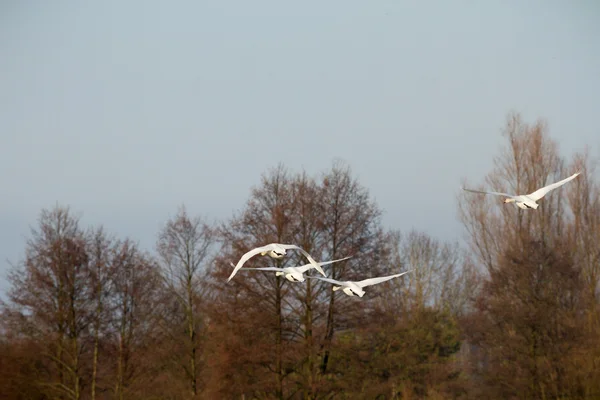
538, 194
494, 193
300, 249
328, 280
306, 267
246, 257
374, 281
263, 269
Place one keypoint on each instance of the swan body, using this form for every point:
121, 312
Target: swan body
355, 288
293, 274
276, 251
528, 201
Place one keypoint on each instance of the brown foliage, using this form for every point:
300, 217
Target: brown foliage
528, 322
184, 248
534, 329
92, 316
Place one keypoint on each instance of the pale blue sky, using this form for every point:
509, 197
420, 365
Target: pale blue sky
124, 110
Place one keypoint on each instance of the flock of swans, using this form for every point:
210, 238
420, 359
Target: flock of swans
296, 274
355, 288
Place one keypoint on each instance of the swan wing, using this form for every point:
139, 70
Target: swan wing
246, 257
538, 194
263, 269
329, 280
308, 256
374, 281
494, 193
306, 267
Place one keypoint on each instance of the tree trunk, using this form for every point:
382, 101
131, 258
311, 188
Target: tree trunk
96, 341
95, 364
119, 379
278, 340
330, 311
74, 343
329, 332
192, 337
311, 390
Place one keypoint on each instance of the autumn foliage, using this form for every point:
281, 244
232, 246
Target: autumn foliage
511, 311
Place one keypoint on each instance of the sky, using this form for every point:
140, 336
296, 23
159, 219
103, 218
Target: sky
126, 110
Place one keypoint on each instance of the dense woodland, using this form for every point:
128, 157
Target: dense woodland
508, 310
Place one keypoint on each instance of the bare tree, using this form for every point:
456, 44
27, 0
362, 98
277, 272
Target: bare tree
567, 222
100, 263
265, 219
308, 214
184, 247
50, 298
529, 161
442, 277
351, 226
528, 323
135, 281
584, 201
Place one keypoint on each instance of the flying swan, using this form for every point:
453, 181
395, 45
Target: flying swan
292, 274
527, 201
355, 288
276, 251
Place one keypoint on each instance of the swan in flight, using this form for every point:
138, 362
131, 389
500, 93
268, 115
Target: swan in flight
276, 251
355, 288
526, 201
292, 274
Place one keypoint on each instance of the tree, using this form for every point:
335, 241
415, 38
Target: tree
584, 236
584, 232
412, 332
49, 300
308, 234
184, 247
564, 227
260, 296
136, 284
528, 322
100, 268
351, 226
19, 362
529, 161
330, 218
399, 354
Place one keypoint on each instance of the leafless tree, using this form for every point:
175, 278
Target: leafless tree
528, 322
566, 222
135, 281
184, 247
265, 219
351, 226
529, 161
442, 276
100, 268
50, 299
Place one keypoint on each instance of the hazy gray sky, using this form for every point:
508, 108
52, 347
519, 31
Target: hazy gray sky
125, 110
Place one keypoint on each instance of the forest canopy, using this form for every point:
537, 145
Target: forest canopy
512, 311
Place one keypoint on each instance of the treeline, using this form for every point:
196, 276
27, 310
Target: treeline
514, 314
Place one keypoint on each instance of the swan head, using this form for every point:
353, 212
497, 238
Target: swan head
508, 201
295, 277
276, 254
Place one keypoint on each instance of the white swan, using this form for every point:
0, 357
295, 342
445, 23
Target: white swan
292, 274
355, 288
276, 251
526, 201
